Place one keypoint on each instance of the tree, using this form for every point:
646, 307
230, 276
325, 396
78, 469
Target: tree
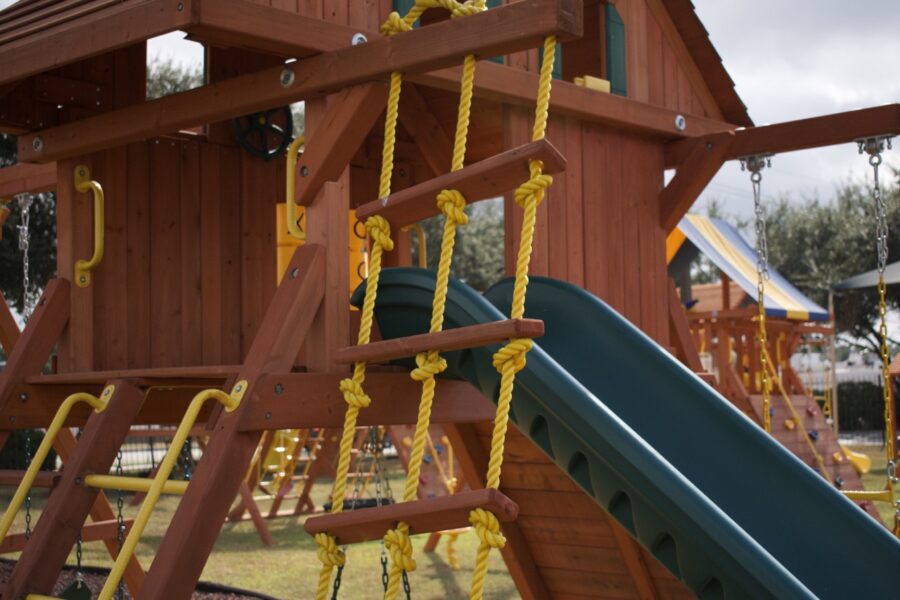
165, 77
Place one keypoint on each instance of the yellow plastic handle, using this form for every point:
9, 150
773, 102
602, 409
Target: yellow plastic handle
83, 184
421, 243
291, 187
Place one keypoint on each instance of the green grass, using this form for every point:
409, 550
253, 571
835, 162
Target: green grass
289, 568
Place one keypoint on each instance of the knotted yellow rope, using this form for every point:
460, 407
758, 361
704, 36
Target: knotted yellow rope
379, 231
429, 364
511, 358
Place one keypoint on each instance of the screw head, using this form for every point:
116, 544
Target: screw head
304, 171
268, 416
83, 279
680, 122
295, 272
37, 144
23, 397
180, 7
279, 389
238, 387
78, 481
12, 419
287, 77
358, 38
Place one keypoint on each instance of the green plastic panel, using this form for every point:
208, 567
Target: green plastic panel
728, 511
616, 60
557, 60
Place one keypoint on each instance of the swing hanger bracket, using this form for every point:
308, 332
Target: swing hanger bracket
875, 145
756, 162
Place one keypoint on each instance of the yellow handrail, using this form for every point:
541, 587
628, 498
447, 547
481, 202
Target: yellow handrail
99, 404
290, 188
230, 402
132, 484
83, 184
420, 242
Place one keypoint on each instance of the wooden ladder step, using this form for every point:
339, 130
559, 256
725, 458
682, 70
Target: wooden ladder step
472, 336
485, 179
91, 532
13, 477
210, 373
423, 516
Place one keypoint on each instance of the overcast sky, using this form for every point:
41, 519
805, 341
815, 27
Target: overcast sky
790, 59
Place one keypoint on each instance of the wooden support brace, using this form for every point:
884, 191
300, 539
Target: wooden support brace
345, 125
680, 332
91, 532
425, 130
9, 329
634, 562
473, 336
704, 161
423, 516
22, 177
12, 478
485, 179
510, 28
217, 479
68, 507
815, 132
314, 400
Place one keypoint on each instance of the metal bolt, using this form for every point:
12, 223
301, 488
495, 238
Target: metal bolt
287, 77
23, 397
680, 122
238, 387
304, 171
401, 172
268, 416
12, 419
83, 279
709, 145
78, 481
37, 144
279, 389
180, 6
81, 173
358, 38
294, 272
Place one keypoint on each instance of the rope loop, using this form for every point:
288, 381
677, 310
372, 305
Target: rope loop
395, 24
354, 394
328, 552
399, 547
428, 366
452, 203
513, 352
534, 187
379, 230
487, 527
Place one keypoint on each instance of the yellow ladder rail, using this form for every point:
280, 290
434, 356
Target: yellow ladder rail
62, 413
133, 484
230, 402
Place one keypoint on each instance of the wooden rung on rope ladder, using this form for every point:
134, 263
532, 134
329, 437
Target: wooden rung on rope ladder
426, 515
485, 179
472, 336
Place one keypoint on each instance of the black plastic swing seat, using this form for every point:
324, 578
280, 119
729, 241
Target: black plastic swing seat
360, 504
423, 516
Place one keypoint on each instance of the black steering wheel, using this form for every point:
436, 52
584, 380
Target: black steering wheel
265, 134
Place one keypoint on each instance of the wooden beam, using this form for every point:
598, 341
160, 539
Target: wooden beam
118, 26
473, 462
425, 130
344, 127
12, 478
510, 28
815, 132
22, 177
91, 532
473, 336
488, 178
680, 332
423, 516
153, 376
62, 519
634, 562
692, 177
9, 329
216, 481
302, 400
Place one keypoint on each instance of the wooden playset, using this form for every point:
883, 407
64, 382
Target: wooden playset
623, 475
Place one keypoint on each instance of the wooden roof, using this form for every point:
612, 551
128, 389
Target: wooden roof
696, 38
709, 297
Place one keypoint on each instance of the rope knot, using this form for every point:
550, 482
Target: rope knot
395, 24
487, 527
429, 365
452, 203
380, 231
514, 352
470, 7
398, 545
354, 394
534, 187
328, 552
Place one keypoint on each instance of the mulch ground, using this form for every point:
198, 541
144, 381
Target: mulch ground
95, 578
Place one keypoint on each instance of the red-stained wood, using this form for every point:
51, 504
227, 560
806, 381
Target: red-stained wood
815, 132
425, 129
680, 332
348, 120
634, 562
423, 516
20, 178
314, 400
255, 515
137, 284
211, 373
473, 336
44, 479
189, 219
218, 476
67, 508
697, 170
574, 203
488, 178
90, 532
9, 329
509, 28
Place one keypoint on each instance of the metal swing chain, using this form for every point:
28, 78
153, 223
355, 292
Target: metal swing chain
28, 495
25, 201
874, 147
120, 521
755, 164
79, 575
187, 459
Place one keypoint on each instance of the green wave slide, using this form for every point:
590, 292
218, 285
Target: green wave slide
725, 508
